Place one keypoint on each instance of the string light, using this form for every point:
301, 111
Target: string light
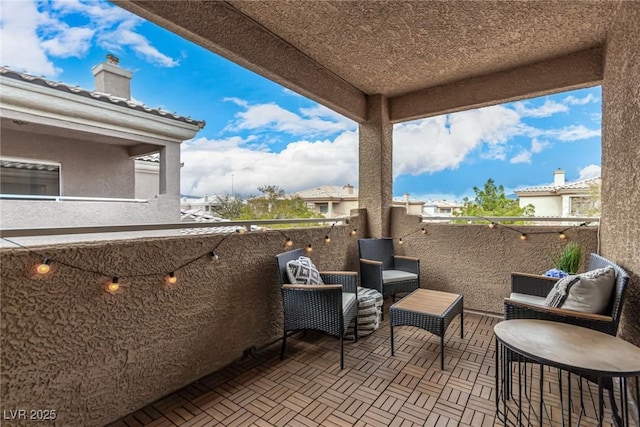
308, 248
44, 267
492, 225
561, 235
288, 242
214, 256
423, 230
353, 232
327, 239
241, 230
113, 286
172, 279
400, 240
523, 236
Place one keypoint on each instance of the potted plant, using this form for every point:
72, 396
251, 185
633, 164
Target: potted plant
568, 262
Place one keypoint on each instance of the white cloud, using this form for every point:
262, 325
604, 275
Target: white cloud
311, 122
574, 133
20, 46
538, 146
547, 109
523, 157
208, 165
69, 42
590, 171
443, 142
572, 100
124, 37
33, 33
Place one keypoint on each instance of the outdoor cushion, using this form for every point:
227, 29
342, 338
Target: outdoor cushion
301, 271
393, 276
369, 309
348, 298
527, 299
560, 291
592, 292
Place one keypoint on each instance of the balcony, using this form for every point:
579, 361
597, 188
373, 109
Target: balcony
97, 357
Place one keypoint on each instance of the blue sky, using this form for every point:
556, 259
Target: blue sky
259, 133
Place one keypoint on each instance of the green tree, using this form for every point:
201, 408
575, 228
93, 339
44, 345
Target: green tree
229, 207
273, 204
492, 201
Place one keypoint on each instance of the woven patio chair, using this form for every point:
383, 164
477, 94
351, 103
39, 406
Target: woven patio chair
527, 298
385, 272
328, 308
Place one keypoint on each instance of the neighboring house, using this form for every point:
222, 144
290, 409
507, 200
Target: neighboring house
442, 208
68, 155
563, 199
336, 201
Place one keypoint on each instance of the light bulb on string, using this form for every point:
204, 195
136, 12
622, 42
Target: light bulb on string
423, 230
241, 230
44, 267
562, 236
327, 239
353, 232
113, 286
400, 240
214, 256
523, 236
308, 248
288, 242
171, 278
492, 225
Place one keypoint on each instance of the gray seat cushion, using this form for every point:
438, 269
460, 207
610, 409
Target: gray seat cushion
528, 299
393, 276
347, 300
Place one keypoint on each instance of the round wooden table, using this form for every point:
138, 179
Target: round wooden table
585, 352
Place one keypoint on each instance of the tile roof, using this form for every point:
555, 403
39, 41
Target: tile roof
575, 185
153, 158
328, 191
99, 96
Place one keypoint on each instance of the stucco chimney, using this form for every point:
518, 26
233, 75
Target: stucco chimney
558, 178
349, 188
112, 79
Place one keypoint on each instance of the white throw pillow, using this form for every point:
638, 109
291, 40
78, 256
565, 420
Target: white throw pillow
591, 294
301, 271
560, 291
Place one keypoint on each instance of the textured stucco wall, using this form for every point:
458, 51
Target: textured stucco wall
621, 159
476, 261
36, 213
88, 169
95, 357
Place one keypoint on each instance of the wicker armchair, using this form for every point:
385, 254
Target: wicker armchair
524, 286
328, 308
539, 286
385, 272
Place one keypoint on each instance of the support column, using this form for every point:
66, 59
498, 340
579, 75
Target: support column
170, 170
620, 220
376, 166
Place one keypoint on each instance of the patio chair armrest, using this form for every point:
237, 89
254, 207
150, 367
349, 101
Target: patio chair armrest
311, 287
348, 279
532, 284
371, 274
408, 264
520, 310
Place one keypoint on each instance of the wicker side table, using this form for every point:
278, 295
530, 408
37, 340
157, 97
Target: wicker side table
428, 310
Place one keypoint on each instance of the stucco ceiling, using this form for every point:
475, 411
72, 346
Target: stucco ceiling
339, 52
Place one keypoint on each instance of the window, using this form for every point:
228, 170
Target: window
29, 178
581, 205
323, 207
